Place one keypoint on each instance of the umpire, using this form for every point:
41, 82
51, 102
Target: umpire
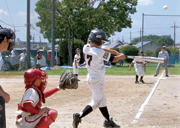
5, 45
163, 54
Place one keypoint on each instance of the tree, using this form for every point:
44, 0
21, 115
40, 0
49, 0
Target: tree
165, 41
149, 52
130, 50
161, 40
173, 50
76, 18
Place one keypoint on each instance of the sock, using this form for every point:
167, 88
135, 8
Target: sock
136, 77
141, 77
105, 113
88, 109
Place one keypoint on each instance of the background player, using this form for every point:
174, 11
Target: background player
76, 61
39, 57
138, 68
94, 58
163, 54
29, 113
5, 36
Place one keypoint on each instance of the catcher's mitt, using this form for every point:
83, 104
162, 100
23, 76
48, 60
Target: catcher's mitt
68, 80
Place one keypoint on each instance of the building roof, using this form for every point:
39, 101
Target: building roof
114, 44
138, 45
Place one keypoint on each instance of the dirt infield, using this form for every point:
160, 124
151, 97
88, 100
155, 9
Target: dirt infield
124, 98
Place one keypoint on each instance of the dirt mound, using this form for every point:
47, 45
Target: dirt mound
57, 67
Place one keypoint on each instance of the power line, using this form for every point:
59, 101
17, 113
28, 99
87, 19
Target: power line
9, 12
6, 23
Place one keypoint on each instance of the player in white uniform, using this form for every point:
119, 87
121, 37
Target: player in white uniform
94, 57
76, 61
138, 68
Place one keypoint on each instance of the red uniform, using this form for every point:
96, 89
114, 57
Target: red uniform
28, 109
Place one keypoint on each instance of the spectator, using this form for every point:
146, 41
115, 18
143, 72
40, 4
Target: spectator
163, 54
49, 59
14, 62
39, 57
22, 58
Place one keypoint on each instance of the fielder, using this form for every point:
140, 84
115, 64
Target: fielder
138, 68
5, 45
94, 57
29, 113
76, 61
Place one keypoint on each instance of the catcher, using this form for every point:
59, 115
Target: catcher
29, 113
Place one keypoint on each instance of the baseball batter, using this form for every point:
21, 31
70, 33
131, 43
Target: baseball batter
5, 45
76, 61
94, 58
138, 68
29, 113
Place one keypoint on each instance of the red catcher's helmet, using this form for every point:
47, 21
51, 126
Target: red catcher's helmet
32, 74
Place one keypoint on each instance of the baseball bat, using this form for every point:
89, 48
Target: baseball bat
146, 58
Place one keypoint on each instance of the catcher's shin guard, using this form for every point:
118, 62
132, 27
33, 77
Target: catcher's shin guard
46, 121
2, 113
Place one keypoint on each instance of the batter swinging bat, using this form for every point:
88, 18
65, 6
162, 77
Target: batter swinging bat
146, 58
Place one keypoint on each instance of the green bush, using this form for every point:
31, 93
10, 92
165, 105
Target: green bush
131, 51
63, 50
149, 52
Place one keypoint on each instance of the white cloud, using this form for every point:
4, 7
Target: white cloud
3, 12
145, 2
21, 13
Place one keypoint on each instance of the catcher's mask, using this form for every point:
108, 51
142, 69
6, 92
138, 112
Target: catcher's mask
32, 74
96, 36
6, 33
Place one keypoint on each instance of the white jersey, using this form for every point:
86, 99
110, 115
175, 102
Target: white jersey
77, 58
94, 58
138, 62
30, 96
22, 57
1, 61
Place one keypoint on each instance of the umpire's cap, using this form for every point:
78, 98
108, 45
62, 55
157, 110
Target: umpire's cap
96, 36
163, 47
77, 49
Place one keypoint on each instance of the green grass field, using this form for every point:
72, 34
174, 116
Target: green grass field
109, 71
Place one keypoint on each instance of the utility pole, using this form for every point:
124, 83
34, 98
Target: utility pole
130, 36
142, 32
122, 38
40, 40
174, 32
28, 34
140, 35
53, 32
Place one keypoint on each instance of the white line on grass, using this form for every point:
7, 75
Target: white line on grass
141, 109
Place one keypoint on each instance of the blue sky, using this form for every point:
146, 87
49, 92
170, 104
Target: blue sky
16, 15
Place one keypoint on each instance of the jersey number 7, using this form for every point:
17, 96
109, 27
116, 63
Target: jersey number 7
89, 57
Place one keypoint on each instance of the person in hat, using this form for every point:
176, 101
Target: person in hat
163, 54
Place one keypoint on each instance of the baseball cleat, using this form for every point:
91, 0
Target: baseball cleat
76, 120
136, 82
142, 81
167, 76
110, 124
155, 75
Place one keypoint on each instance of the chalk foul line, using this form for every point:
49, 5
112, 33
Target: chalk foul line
141, 109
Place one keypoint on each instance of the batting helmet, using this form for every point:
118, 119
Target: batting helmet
77, 49
96, 36
32, 74
141, 52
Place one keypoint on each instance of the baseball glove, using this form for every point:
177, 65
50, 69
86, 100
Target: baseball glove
68, 80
